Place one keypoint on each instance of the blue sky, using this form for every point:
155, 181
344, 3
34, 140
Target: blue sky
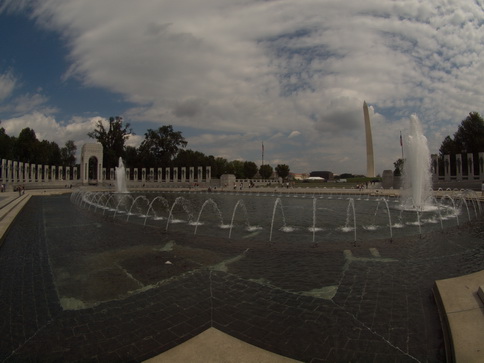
233, 74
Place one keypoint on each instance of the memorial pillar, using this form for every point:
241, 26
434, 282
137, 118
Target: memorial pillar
470, 166
208, 174
447, 167
458, 167
481, 166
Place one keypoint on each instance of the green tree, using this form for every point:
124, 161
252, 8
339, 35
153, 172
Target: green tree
132, 158
282, 171
219, 166
470, 134
469, 138
266, 171
237, 167
250, 169
68, 153
161, 146
190, 158
6, 145
26, 146
113, 139
398, 167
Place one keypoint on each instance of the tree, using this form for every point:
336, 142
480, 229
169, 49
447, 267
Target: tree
112, 139
469, 138
220, 166
26, 146
132, 158
6, 145
190, 158
266, 171
470, 134
162, 145
237, 167
250, 169
68, 154
282, 171
398, 167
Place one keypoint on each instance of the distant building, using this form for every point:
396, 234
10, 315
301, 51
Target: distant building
328, 175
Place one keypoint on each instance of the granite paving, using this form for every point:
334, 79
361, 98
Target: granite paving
79, 286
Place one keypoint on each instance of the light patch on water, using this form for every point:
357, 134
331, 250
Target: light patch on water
176, 221
398, 225
325, 293
70, 303
167, 247
370, 227
225, 226
288, 229
345, 229
316, 229
222, 266
253, 234
195, 223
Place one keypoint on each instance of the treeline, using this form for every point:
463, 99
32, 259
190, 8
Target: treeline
28, 149
163, 147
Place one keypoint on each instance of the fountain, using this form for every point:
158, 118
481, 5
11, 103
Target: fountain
416, 194
121, 177
333, 220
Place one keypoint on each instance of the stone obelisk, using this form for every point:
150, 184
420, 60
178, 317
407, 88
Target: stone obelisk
370, 162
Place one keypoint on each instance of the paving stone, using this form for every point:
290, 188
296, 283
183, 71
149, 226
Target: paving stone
382, 312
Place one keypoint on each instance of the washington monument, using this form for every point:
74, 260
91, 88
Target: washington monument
370, 162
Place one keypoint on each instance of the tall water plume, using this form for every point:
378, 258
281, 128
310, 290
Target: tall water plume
416, 171
121, 177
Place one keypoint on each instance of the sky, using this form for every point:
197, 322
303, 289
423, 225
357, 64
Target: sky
232, 75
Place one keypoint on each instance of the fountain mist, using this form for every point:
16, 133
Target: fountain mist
416, 174
121, 177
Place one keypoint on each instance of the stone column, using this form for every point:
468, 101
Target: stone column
183, 174
434, 166
68, 173
192, 174
135, 174
143, 174
200, 174
167, 175
159, 171
447, 167
75, 173
470, 166
175, 175
15, 172
152, 175
481, 166
458, 167
208, 174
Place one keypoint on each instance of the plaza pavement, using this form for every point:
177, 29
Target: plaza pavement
334, 303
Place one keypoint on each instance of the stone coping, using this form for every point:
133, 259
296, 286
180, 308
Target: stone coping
213, 346
462, 312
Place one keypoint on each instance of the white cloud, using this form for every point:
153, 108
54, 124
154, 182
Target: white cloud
245, 71
7, 85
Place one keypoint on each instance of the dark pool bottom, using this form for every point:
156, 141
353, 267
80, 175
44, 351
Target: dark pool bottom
76, 286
